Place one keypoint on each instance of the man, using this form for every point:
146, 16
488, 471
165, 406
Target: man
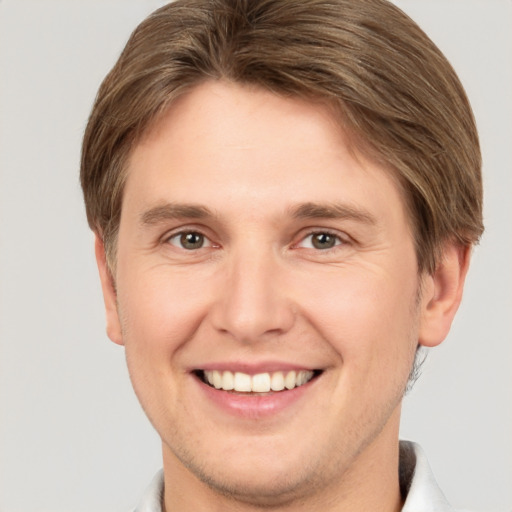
284, 196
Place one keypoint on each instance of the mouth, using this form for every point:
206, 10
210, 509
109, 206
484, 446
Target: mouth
260, 383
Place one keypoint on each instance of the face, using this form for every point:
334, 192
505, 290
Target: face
267, 294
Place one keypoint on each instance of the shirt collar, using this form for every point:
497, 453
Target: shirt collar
152, 498
417, 482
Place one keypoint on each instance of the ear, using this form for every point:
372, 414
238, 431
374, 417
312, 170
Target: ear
442, 294
109, 293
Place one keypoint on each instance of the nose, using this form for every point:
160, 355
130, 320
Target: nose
253, 303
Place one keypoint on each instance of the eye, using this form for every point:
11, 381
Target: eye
321, 240
189, 240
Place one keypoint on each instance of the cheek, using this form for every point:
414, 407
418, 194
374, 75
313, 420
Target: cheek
159, 306
159, 314
370, 319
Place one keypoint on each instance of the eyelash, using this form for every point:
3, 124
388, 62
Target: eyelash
178, 236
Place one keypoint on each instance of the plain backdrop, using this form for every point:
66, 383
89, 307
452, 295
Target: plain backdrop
72, 435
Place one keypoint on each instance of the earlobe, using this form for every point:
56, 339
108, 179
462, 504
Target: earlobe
109, 293
442, 294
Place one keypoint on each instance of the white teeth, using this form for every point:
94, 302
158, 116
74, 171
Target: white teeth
259, 383
228, 381
217, 379
242, 382
277, 381
290, 380
301, 379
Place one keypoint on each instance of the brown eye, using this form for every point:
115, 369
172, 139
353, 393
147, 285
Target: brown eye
191, 241
323, 240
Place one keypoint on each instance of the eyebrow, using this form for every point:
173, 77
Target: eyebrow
171, 211
332, 211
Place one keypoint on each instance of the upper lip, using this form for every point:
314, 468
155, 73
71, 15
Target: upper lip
253, 368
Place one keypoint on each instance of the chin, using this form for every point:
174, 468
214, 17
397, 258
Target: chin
259, 487
259, 474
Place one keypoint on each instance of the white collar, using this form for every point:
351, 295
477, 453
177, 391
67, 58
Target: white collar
417, 481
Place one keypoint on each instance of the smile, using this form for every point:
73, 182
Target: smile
260, 383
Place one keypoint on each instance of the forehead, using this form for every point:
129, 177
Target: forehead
221, 141
227, 115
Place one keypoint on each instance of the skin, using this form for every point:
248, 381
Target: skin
258, 290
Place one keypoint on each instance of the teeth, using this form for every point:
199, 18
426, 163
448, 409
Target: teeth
228, 381
217, 379
260, 383
277, 381
290, 381
242, 382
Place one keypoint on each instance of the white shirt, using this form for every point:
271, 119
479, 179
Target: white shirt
416, 482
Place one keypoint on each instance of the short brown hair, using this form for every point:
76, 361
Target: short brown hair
396, 93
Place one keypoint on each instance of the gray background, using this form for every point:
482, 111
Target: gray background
72, 436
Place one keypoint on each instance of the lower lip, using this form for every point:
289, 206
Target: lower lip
253, 405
